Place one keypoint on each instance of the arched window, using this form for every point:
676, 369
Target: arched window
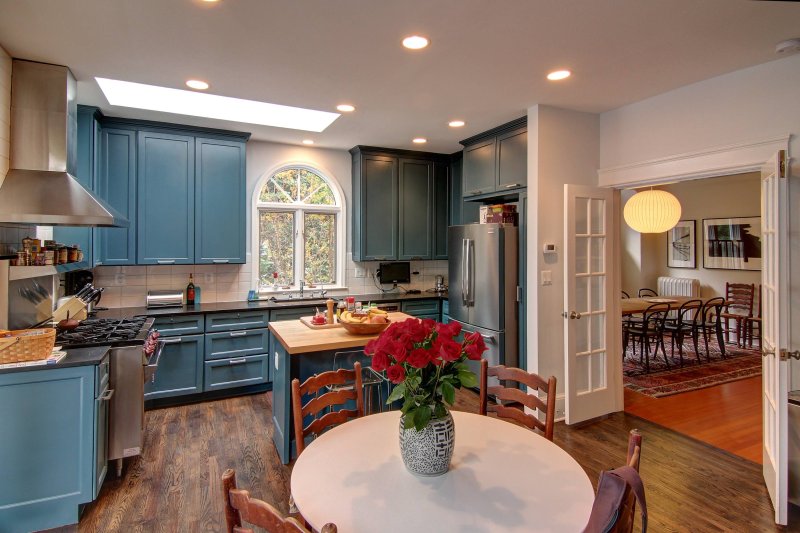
300, 229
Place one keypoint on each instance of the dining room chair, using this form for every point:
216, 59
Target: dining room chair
683, 323
614, 509
241, 508
625, 295
710, 323
319, 407
513, 394
753, 323
372, 381
738, 309
650, 330
647, 293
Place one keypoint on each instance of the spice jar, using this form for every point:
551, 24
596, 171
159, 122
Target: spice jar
72, 254
49, 257
62, 255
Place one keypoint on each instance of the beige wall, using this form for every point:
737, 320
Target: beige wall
5, 112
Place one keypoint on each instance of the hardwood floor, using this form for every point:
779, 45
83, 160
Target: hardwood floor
175, 485
727, 416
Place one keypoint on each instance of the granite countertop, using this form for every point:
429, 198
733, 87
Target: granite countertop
75, 357
124, 312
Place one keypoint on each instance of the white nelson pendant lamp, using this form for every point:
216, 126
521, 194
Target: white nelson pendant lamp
652, 211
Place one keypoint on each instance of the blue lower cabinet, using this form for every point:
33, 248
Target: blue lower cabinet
291, 313
180, 368
236, 320
421, 308
236, 344
236, 372
431, 316
47, 447
169, 326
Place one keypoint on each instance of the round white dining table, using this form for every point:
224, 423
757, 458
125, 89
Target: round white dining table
503, 477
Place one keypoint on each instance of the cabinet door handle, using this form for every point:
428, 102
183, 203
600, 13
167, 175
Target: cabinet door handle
166, 261
173, 340
238, 361
238, 333
512, 185
477, 191
220, 261
107, 395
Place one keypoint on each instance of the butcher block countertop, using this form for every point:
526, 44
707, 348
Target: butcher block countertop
297, 338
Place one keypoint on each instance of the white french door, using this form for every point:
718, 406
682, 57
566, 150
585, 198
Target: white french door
591, 348
774, 303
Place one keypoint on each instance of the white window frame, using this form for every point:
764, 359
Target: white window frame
339, 209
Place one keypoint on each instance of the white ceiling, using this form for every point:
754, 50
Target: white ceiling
486, 62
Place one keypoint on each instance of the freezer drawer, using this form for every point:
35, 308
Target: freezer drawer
496, 353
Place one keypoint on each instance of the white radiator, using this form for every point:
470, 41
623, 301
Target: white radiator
668, 286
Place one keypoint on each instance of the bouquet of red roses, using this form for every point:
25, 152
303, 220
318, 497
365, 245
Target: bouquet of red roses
427, 364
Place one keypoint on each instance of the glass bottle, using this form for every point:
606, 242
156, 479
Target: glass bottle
190, 292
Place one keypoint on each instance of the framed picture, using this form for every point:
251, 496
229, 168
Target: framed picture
681, 249
732, 243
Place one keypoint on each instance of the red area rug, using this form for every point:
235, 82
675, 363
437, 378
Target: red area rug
740, 363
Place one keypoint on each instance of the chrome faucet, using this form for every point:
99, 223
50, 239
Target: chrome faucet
302, 284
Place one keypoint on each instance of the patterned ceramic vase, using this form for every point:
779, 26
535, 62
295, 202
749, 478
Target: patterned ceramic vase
428, 452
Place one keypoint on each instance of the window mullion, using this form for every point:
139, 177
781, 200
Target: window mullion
299, 246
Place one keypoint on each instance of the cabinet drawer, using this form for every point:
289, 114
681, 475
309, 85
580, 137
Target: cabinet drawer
421, 307
233, 344
236, 320
291, 314
102, 375
180, 325
180, 368
236, 372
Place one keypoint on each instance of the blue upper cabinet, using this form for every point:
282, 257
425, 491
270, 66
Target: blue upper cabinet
116, 184
220, 208
416, 209
86, 174
166, 186
495, 162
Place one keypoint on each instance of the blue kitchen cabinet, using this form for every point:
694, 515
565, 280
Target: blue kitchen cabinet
220, 209
441, 209
88, 144
415, 221
52, 460
421, 308
180, 368
375, 182
116, 185
166, 192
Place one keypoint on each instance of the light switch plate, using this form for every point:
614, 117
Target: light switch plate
547, 278
361, 272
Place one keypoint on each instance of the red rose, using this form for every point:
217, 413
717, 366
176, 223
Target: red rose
449, 330
473, 353
419, 358
476, 339
380, 361
450, 350
396, 374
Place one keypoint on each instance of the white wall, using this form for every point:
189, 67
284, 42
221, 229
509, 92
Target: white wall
747, 105
553, 160
5, 112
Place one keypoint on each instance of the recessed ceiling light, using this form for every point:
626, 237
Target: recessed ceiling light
559, 75
345, 108
308, 141
455, 123
180, 102
420, 140
415, 42
200, 85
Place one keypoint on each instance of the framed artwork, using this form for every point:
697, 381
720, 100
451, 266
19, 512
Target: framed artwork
732, 243
681, 248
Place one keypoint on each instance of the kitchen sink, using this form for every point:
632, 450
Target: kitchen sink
304, 299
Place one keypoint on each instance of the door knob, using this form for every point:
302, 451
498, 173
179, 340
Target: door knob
572, 315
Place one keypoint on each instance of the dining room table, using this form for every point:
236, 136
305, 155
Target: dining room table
502, 478
633, 306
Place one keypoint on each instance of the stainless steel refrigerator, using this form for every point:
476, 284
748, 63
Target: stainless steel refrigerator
483, 280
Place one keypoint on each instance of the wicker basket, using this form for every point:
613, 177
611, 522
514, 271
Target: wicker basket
27, 345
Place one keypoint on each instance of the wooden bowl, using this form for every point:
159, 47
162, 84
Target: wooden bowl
355, 328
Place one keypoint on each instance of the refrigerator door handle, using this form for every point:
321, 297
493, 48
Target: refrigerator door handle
470, 272
464, 259
488, 338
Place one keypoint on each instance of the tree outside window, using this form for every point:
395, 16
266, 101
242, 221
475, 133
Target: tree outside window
298, 236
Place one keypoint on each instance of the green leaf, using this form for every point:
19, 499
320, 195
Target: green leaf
422, 415
448, 392
467, 378
397, 393
408, 419
440, 410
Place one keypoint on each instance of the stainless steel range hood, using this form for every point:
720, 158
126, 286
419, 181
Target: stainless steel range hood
39, 188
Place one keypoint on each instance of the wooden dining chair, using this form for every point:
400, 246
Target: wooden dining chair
753, 323
532, 401
240, 507
610, 512
647, 293
738, 309
319, 406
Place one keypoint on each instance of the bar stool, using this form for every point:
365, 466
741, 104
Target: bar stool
371, 380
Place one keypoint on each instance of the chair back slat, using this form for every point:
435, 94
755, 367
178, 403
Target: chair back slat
321, 402
532, 401
739, 298
647, 293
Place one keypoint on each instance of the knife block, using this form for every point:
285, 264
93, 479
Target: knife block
75, 308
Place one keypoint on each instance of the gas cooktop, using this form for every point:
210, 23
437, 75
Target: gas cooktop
102, 331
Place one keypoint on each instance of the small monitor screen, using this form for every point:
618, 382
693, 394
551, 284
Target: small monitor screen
395, 272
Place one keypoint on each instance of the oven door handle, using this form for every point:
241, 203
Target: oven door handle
152, 363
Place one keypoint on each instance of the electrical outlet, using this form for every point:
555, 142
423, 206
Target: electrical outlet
547, 277
119, 279
208, 277
361, 272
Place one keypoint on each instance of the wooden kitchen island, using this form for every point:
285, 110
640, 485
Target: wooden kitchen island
300, 352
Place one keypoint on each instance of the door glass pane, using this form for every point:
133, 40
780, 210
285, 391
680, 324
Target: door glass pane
598, 255
581, 255
598, 216
598, 331
598, 370
320, 248
581, 216
582, 373
276, 247
581, 329
597, 285
582, 294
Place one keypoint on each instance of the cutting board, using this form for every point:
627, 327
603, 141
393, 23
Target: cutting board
307, 321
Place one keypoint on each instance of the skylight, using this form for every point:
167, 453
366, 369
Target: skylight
154, 98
